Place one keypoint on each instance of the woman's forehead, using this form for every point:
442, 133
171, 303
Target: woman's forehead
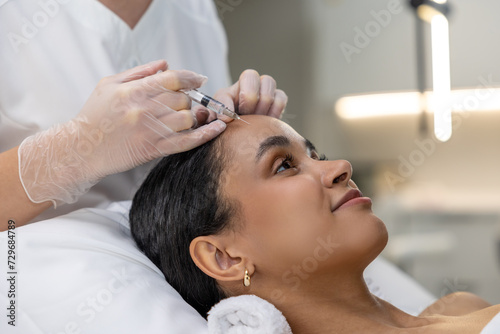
260, 128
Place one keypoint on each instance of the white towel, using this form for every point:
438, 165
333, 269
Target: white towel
247, 314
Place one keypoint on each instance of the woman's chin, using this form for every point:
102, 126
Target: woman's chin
370, 238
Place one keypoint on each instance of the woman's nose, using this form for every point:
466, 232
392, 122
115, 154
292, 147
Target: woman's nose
336, 172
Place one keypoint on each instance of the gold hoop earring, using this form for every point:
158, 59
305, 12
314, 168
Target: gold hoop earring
246, 280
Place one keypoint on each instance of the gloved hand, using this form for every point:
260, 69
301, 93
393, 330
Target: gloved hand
131, 118
254, 94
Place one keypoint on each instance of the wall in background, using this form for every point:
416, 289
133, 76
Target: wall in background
275, 38
303, 45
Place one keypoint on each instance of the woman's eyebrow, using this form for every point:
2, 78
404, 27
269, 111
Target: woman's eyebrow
271, 142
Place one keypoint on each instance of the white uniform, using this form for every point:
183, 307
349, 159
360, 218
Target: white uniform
53, 53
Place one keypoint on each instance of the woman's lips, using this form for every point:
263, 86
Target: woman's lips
352, 197
355, 201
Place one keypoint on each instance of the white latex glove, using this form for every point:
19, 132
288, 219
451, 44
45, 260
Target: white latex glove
131, 118
254, 94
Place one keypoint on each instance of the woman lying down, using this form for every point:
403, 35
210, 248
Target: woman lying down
243, 212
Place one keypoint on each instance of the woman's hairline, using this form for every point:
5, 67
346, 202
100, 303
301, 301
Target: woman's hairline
225, 156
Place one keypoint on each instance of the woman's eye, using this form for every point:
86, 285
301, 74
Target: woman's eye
319, 157
285, 164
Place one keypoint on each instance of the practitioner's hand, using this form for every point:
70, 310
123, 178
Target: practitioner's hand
130, 118
254, 94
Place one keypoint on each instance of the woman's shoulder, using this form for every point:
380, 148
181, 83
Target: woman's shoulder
474, 322
467, 319
456, 304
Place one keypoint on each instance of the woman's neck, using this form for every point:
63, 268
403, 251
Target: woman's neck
340, 305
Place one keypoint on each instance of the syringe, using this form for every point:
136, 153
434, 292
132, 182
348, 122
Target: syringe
210, 103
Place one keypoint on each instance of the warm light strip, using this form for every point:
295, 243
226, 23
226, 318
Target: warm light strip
374, 105
441, 77
406, 103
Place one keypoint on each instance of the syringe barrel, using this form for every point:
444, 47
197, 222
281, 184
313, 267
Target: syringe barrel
194, 95
210, 103
213, 105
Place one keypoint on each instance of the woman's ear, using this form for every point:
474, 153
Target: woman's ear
210, 255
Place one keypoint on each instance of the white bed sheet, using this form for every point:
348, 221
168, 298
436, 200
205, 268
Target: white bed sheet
82, 273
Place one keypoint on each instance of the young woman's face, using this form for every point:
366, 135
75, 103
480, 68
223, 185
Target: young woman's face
300, 216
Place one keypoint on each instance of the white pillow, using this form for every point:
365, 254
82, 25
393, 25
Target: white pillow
83, 273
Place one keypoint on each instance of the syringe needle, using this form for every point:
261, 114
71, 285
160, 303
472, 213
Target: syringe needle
241, 119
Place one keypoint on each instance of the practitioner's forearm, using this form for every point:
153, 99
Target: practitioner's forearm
15, 204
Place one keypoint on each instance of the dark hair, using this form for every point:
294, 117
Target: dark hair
179, 201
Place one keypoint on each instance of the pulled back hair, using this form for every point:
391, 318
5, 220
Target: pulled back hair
179, 201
